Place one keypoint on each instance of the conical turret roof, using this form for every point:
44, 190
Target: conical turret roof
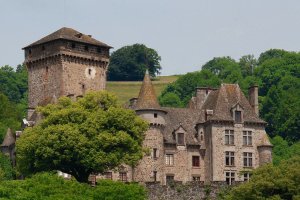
9, 139
147, 98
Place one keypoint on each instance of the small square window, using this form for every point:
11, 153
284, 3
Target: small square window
73, 45
155, 115
86, 48
108, 175
196, 161
169, 178
123, 176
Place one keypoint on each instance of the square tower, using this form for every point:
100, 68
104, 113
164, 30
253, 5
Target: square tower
64, 63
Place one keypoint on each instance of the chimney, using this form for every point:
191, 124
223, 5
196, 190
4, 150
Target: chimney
201, 94
253, 98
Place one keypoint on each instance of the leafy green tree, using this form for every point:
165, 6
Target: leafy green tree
170, 99
282, 150
129, 63
271, 182
10, 116
88, 136
218, 64
247, 63
6, 170
49, 186
184, 87
13, 83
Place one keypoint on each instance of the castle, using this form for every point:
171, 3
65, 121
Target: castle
219, 137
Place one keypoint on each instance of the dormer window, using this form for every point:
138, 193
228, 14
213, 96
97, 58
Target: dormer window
237, 113
180, 139
238, 116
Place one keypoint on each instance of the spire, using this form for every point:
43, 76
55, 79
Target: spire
147, 97
9, 139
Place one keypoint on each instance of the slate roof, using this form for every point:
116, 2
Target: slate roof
147, 98
69, 34
184, 117
221, 101
9, 139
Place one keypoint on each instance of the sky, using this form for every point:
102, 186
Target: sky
185, 33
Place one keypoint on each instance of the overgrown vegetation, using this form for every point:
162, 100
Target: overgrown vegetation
13, 97
48, 186
269, 182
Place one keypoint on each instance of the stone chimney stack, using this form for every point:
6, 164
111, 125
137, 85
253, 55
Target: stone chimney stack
253, 98
201, 94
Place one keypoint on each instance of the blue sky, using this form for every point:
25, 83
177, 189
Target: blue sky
186, 34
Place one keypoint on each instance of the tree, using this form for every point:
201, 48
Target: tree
91, 135
184, 87
170, 99
129, 63
49, 186
10, 115
271, 182
247, 64
6, 170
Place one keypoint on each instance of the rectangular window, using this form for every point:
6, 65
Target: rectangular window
238, 116
247, 176
230, 177
196, 178
169, 178
180, 138
155, 153
247, 159
155, 176
196, 161
247, 138
169, 159
229, 158
108, 175
155, 115
123, 176
229, 137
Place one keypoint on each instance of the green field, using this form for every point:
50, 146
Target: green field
129, 89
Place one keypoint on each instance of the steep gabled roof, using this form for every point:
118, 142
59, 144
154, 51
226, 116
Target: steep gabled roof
147, 98
9, 139
222, 100
69, 34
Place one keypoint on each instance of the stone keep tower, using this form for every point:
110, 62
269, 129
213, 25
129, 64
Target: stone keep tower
64, 63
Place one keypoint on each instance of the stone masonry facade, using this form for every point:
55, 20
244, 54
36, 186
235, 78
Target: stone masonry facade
64, 63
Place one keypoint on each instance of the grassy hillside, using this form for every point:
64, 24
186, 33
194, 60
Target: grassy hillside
129, 89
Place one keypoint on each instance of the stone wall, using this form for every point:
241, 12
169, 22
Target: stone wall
179, 191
